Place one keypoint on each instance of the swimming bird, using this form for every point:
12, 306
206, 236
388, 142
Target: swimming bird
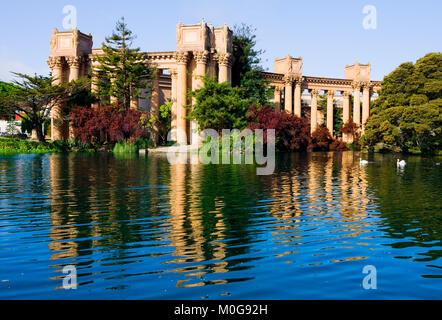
363, 162
400, 163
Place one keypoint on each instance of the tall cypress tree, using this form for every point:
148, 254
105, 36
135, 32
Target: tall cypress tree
123, 71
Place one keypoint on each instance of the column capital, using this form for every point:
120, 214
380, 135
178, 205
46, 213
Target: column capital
224, 59
315, 92
201, 57
356, 85
331, 93
278, 88
366, 85
288, 79
346, 94
55, 62
299, 80
74, 62
182, 57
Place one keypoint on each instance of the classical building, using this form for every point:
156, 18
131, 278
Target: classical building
203, 49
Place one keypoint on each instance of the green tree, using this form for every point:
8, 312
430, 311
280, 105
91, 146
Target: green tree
246, 69
407, 116
35, 96
219, 106
123, 71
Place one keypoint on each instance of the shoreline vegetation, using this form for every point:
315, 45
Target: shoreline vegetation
13, 146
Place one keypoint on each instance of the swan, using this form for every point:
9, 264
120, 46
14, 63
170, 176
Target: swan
400, 163
363, 162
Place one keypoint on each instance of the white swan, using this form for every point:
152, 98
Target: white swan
400, 163
363, 162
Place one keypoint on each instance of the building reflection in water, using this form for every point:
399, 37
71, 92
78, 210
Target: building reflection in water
206, 217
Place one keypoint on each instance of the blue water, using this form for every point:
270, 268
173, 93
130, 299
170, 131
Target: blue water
140, 228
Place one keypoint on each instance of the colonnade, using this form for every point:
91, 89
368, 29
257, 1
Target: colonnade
181, 85
293, 88
65, 69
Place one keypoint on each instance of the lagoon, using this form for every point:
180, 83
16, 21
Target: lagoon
140, 228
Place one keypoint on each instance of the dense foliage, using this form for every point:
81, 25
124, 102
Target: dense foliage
15, 145
246, 69
407, 116
219, 106
292, 132
107, 125
123, 71
35, 96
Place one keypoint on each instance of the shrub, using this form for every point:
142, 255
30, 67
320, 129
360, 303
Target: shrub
322, 140
292, 132
15, 145
107, 124
351, 128
125, 147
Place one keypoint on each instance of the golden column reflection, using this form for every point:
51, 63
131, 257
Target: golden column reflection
63, 229
328, 177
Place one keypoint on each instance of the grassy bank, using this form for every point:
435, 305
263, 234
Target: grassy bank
15, 145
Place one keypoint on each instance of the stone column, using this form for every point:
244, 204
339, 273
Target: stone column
134, 103
288, 95
314, 110
94, 77
155, 105
346, 106
56, 65
298, 98
75, 65
201, 66
181, 60
357, 103
346, 115
330, 95
365, 103
224, 61
173, 126
277, 98
113, 99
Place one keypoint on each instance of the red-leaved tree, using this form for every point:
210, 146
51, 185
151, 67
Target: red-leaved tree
107, 124
322, 140
292, 132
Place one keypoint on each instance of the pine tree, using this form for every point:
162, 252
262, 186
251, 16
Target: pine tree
123, 71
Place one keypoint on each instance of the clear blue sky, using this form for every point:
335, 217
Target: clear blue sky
326, 34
